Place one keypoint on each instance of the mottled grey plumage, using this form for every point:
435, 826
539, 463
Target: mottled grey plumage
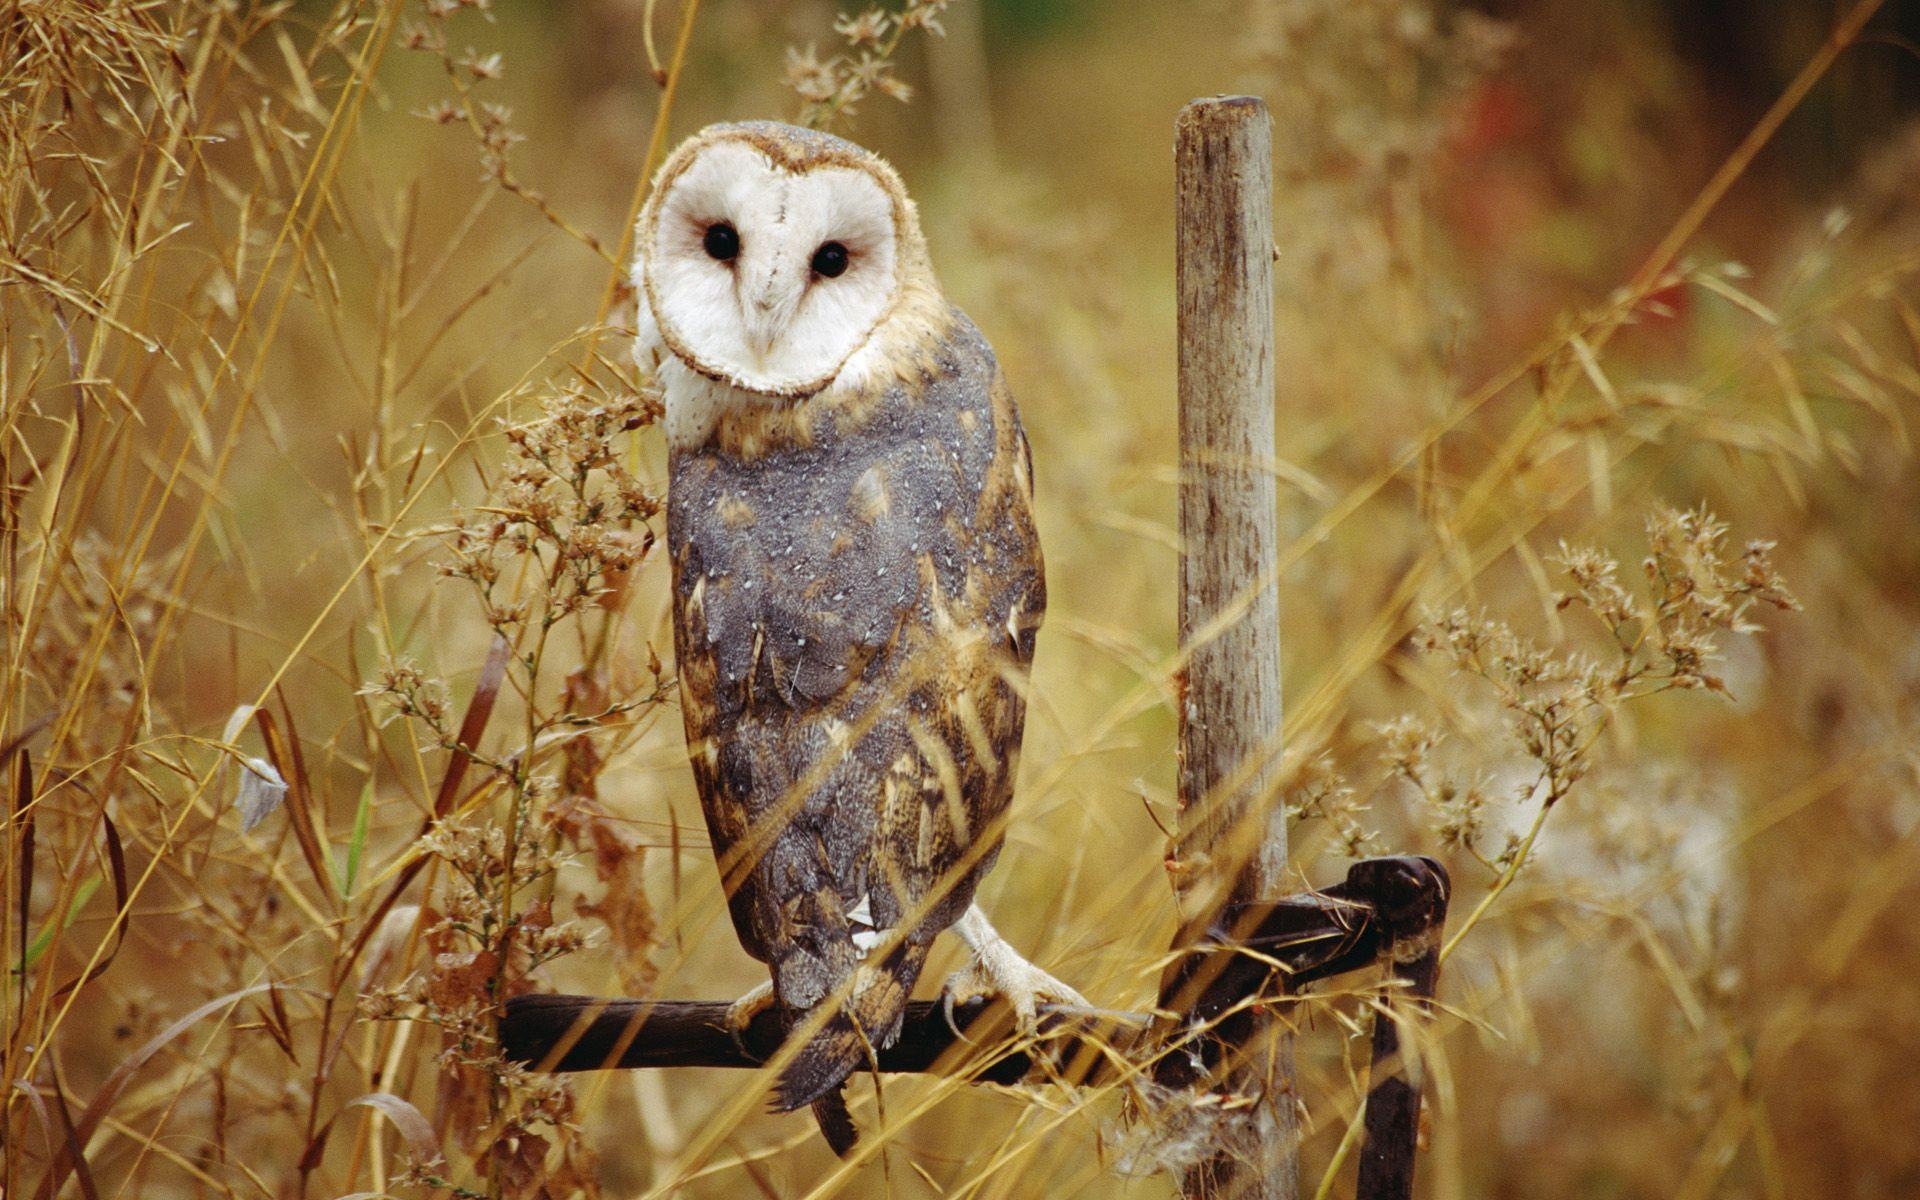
857, 607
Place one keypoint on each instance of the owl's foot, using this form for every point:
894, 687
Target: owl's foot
998, 970
741, 1013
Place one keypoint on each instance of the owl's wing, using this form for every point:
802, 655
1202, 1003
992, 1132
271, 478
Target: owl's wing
855, 619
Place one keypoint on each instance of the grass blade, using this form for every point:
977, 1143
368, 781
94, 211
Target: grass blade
479, 711
23, 816
493, 674
39, 945
38, 1104
356, 848
76, 1147
299, 802
20, 739
410, 1121
116, 1083
122, 905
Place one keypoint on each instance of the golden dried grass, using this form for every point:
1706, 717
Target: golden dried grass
262, 339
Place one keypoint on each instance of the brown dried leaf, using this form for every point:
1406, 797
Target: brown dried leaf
618, 860
462, 977
577, 1173
523, 1161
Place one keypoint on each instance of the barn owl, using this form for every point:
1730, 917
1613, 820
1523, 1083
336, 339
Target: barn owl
857, 583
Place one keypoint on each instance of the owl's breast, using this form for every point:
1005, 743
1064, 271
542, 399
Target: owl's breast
797, 571
809, 563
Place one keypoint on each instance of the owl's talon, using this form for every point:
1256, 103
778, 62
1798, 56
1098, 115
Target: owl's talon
946, 1010
998, 970
741, 1012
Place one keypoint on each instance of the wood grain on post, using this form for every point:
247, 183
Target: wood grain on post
1232, 841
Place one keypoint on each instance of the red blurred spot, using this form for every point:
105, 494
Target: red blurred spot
1669, 307
1494, 115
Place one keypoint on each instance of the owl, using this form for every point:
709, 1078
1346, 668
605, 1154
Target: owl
857, 584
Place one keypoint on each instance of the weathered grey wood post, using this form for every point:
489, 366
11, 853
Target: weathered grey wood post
1232, 841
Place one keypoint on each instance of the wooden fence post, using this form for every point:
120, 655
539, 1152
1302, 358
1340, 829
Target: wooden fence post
1232, 841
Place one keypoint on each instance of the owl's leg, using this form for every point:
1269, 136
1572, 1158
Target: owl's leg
998, 970
741, 1013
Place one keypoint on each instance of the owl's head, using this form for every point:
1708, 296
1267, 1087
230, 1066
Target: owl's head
768, 254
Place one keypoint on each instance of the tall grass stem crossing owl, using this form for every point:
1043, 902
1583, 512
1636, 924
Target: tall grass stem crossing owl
857, 583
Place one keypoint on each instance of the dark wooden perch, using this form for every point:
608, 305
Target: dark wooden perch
1387, 909
584, 1033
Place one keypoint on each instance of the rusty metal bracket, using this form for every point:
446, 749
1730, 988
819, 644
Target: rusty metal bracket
1387, 909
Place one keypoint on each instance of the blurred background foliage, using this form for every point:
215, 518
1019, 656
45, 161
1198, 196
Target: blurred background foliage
274, 278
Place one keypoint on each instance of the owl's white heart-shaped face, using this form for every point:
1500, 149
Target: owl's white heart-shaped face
768, 273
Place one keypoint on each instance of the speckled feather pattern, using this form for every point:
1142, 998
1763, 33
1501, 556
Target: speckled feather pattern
857, 585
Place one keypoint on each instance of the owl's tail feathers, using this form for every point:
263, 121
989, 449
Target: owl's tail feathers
868, 1023
823, 1064
817, 1076
836, 1123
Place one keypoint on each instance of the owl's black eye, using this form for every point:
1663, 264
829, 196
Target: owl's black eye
722, 242
830, 260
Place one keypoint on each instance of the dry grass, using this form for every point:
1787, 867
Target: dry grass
325, 468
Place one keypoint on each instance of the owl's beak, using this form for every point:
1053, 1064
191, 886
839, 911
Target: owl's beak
763, 320
765, 309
